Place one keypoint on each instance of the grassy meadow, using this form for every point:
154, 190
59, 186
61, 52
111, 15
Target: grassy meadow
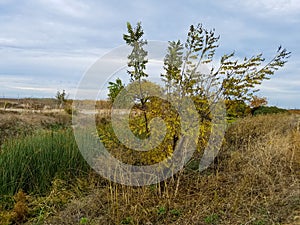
255, 179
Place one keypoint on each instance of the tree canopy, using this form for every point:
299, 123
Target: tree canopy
191, 70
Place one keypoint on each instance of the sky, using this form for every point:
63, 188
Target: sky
49, 45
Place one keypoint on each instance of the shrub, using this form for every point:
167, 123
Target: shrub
237, 108
268, 110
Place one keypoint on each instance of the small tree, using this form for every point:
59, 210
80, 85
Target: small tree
61, 98
189, 72
232, 80
114, 89
137, 61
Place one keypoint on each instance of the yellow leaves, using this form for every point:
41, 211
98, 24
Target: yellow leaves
19, 212
258, 101
170, 118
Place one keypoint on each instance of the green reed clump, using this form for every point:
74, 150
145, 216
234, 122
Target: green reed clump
31, 163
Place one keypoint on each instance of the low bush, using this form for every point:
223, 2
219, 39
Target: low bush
268, 110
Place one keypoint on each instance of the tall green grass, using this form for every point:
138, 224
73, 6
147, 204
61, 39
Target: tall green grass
31, 163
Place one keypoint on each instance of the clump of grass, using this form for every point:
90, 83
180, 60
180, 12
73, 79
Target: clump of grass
212, 219
31, 163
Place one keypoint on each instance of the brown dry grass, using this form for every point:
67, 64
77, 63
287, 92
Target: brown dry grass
14, 124
254, 181
32, 103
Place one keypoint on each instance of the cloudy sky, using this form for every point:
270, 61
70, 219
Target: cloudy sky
48, 45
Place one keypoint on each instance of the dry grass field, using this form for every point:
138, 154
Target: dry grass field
255, 180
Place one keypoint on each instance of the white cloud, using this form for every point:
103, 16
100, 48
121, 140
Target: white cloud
266, 9
72, 8
41, 89
273, 7
7, 41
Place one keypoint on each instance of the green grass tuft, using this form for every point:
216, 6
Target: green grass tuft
31, 163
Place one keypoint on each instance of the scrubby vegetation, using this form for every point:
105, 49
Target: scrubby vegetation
268, 110
255, 180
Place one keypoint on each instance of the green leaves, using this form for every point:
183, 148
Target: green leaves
137, 61
189, 72
232, 79
242, 78
183, 63
172, 65
201, 44
133, 35
138, 56
114, 89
